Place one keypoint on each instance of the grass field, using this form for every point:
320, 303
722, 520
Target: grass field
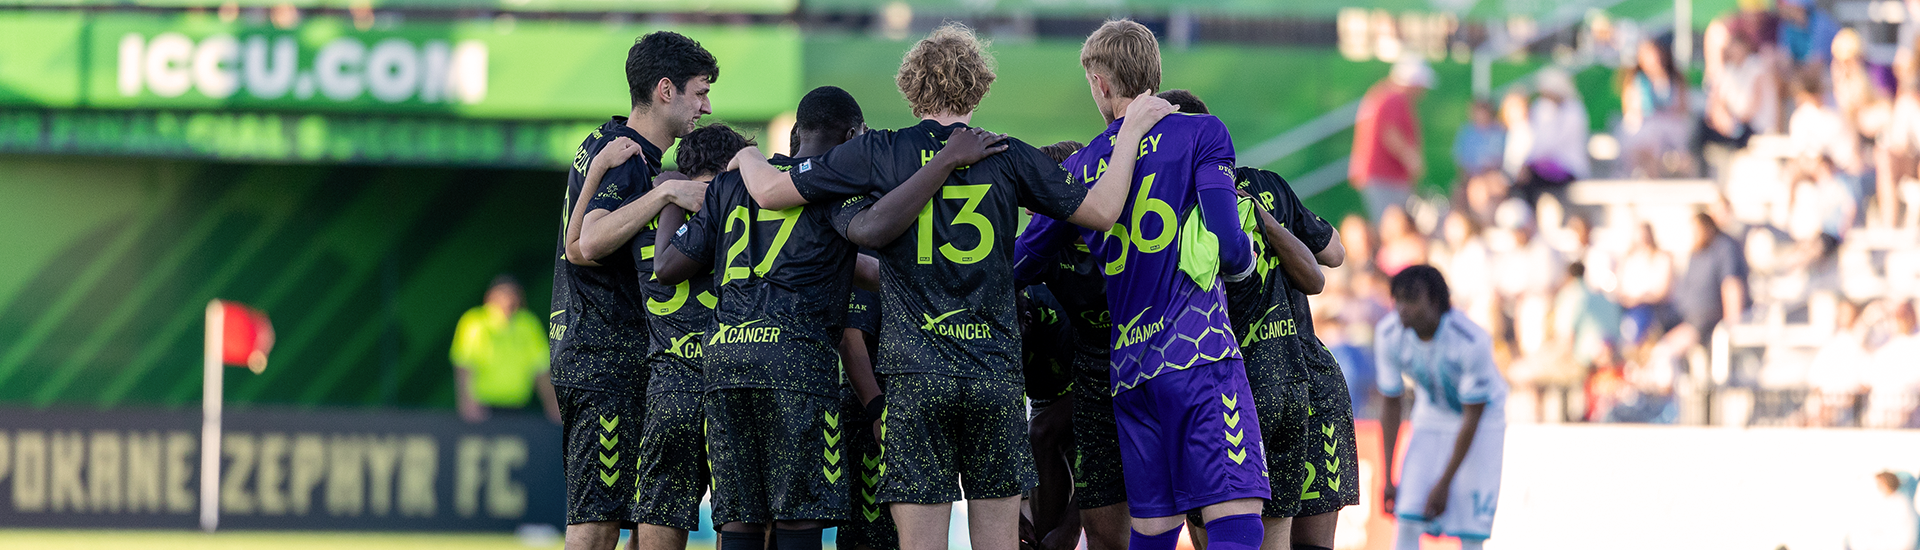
37, 539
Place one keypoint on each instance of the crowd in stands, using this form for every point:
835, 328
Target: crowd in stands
1799, 276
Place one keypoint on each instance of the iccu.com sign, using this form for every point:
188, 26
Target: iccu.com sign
279, 67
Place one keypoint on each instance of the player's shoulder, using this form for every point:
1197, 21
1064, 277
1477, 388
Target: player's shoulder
1195, 123
1465, 331
1389, 328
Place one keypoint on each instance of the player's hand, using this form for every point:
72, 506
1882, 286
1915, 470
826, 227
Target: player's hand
734, 163
615, 153
1437, 500
688, 194
1388, 495
969, 145
1145, 111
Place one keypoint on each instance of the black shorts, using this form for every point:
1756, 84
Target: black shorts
949, 438
1328, 461
777, 456
601, 437
869, 522
1097, 480
672, 464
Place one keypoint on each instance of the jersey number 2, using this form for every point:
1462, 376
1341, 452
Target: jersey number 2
740, 214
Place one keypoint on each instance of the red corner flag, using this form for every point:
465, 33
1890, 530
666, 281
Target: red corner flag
236, 335
245, 336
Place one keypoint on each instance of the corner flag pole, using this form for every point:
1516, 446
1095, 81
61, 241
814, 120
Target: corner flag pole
213, 381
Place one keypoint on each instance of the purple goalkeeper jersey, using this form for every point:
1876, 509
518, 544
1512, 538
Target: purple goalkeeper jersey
1162, 320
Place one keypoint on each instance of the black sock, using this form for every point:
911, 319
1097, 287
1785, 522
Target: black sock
1298, 546
742, 540
801, 539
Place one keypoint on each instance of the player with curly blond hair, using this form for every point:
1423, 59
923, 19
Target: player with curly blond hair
953, 420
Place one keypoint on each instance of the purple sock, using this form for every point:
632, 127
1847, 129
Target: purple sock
1163, 541
1241, 532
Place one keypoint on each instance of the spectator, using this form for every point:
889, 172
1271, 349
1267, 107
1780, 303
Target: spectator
1834, 377
1744, 99
1346, 311
1858, 91
1466, 263
1585, 325
1897, 151
1513, 115
1806, 32
1654, 117
1526, 273
1888, 522
1482, 194
1400, 243
500, 356
1387, 153
1713, 288
1893, 376
1559, 122
1480, 144
1817, 130
1646, 276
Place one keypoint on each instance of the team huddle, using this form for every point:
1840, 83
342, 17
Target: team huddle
859, 332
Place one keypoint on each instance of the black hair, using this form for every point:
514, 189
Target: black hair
1577, 270
706, 150
506, 279
1060, 151
1422, 280
828, 109
669, 55
1184, 101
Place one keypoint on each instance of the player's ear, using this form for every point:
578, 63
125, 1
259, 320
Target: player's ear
663, 90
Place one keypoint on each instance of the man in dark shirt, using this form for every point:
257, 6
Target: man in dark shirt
783, 276
1713, 290
950, 360
598, 357
673, 444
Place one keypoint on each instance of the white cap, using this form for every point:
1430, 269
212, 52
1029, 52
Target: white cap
1555, 81
1412, 71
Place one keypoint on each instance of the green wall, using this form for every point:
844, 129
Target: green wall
363, 271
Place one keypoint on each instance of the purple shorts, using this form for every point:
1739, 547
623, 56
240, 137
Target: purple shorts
1190, 439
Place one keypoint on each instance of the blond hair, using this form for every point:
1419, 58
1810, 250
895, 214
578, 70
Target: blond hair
1126, 54
948, 72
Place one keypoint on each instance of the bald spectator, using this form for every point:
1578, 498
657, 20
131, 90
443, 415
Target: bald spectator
1388, 156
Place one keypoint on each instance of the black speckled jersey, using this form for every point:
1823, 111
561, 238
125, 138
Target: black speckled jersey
947, 301
863, 312
783, 277
597, 317
1047, 345
1268, 311
1081, 290
678, 318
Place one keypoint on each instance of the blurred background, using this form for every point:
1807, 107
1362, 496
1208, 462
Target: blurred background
1692, 225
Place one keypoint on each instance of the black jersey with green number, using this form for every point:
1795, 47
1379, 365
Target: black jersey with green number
1080, 288
596, 325
1047, 343
1269, 313
783, 277
678, 318
946, 297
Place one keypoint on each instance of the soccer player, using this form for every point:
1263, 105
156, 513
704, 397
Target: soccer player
1305, 411
773, 370
869, 525
1046, 358
599, 362
953, 420
1178, 384
1450, 482
672, 475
